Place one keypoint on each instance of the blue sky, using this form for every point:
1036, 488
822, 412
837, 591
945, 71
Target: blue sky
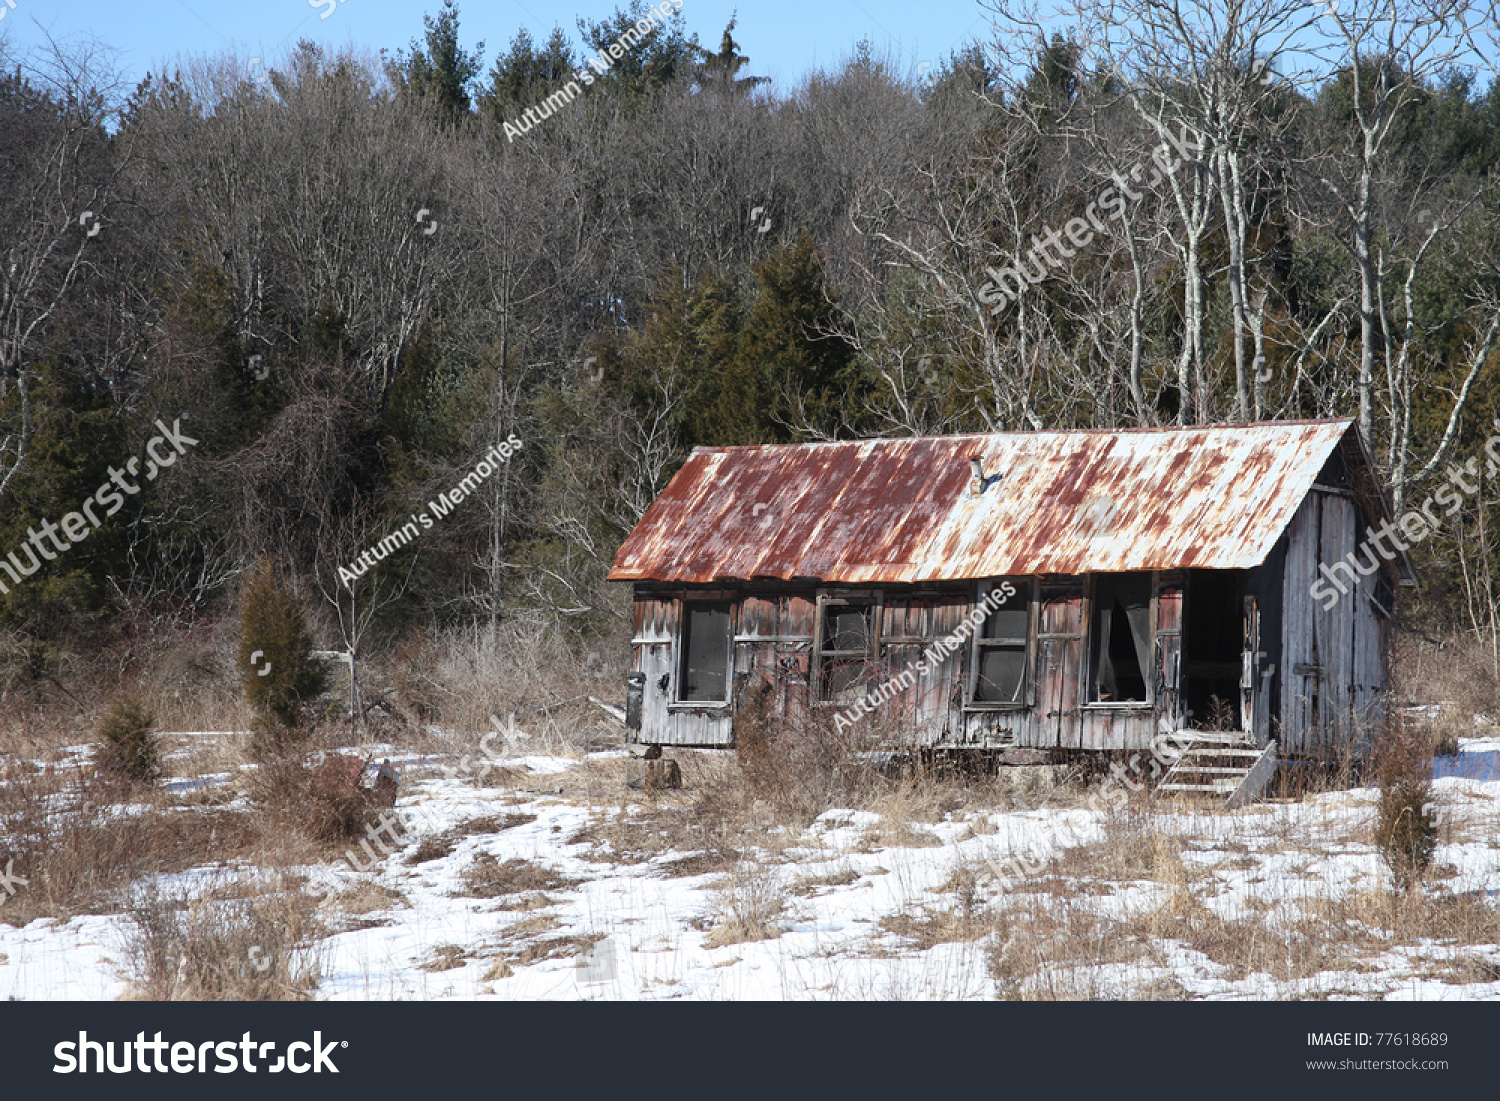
783, 38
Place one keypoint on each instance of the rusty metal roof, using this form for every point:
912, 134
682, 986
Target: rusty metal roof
900, 510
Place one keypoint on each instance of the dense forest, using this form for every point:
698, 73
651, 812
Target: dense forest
272, 312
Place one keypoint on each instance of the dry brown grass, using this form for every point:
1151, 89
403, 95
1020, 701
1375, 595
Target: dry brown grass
811, 885
1050, 948
930, 927
432, 848
79, 850
435, 848
500, 969
487, 877
240, 940
1134, 847
447, 957
896, 833
710, 829
750, 899
1454, 666
1050, 940
525, 672
368, 897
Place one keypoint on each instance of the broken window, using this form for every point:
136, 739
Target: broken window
1000, 645
846, 649
705, 652
907, 623
1120, 642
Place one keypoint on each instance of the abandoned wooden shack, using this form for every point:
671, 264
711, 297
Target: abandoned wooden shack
1158, 574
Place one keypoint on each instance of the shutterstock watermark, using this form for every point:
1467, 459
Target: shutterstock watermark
598, 66
1416, 524
78, 526
507, 731
929, 659
598, 964
390, 833
1080, 231
444, 504
9, 881
1165, 749
73, 1057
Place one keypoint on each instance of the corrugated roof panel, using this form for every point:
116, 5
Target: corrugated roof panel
895, 511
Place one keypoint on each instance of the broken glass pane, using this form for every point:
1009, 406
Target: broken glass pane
845, 681
1002, 674
846, 627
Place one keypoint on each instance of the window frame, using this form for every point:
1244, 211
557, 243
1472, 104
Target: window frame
875, 600
679, 668
1090, 631
1026, 586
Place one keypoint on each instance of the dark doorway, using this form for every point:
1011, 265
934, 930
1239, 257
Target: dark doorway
1212, 646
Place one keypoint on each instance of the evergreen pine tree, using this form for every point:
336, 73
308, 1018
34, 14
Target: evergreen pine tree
274, 638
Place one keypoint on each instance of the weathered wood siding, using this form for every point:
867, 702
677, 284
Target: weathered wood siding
1169, 593
1308, 672
1266, 584
664, 722
1371, 672
1334, 626
1335, 672
773, 647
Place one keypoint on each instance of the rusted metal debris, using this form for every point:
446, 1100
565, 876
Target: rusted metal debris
905, 510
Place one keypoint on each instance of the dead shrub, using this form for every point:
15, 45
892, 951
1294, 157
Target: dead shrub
802, 766
489, 878
749, 901
523, 673
1405, 828
325, 802
416, 692
236, 942
1447, 727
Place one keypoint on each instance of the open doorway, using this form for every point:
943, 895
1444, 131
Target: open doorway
1211, 648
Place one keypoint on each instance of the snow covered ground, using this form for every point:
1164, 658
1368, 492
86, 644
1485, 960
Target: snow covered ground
527, 891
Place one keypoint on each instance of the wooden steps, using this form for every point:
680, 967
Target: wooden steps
1221, 764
